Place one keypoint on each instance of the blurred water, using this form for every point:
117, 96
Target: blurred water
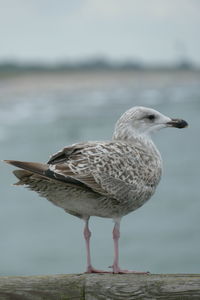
41, 114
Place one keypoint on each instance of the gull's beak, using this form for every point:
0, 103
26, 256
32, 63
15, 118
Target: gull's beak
178, 123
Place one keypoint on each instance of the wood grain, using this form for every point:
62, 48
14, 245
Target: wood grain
100, 287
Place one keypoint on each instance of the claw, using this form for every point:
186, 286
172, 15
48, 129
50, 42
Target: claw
117, 270
90, 270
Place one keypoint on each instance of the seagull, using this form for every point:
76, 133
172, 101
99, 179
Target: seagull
107, 179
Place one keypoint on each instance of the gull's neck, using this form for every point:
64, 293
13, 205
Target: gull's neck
135, 137
129, 135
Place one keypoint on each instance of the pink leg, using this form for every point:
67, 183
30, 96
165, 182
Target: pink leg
116, 236
115, 266
87, 235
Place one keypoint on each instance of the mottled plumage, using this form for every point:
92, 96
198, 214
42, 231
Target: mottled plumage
113, 170
105, 179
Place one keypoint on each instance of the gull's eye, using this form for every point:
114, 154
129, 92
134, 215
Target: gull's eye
151, 117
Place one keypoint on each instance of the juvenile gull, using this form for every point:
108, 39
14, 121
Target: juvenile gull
105, 179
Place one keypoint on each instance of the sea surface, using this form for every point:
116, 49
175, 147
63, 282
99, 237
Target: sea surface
40, 114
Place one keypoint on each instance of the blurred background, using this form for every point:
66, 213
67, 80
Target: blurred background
68, 70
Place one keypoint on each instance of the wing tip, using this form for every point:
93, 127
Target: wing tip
9, 161
34, 167
6, 161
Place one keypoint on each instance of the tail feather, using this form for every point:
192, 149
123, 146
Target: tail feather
40, 169
23, 176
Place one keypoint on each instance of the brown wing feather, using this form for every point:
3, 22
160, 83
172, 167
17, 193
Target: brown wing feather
62, 161
91, 163
64, 154
43, 170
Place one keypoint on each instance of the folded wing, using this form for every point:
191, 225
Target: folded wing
106, 168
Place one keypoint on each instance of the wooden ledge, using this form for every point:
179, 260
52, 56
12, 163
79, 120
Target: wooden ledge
100, 287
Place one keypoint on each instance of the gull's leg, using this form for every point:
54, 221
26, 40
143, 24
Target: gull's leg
87, 235
116, 236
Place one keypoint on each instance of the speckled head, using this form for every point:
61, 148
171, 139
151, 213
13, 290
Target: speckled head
141, 120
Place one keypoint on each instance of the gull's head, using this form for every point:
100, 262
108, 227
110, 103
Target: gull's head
141, 120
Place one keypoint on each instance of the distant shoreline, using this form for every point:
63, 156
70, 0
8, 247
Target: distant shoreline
96, 65
20, 83
19, 73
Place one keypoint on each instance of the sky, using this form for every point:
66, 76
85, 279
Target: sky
151, 31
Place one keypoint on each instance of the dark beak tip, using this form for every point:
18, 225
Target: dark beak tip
183, 124
178, 123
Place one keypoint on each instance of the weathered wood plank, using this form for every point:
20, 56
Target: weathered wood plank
132, 286
101, 287
53, 287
